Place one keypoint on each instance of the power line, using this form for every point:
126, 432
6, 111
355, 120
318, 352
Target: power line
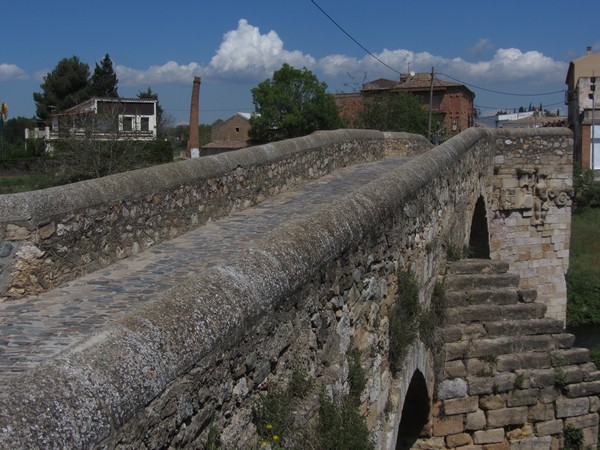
448, 76
353, 40
500, 92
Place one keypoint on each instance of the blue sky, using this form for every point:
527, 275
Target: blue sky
510, 46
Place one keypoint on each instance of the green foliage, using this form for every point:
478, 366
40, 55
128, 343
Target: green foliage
356, 375
583, 278
273, 415
573, 438
404, 319
294, 103
341, 426
408, 320
84, 159
104, 80
595, 356
13, 139
456, 252
587, 189
401, 111
519, 381
560, 377
213, 440
66, 86
12, 185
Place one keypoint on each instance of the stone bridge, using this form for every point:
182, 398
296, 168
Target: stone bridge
181, 306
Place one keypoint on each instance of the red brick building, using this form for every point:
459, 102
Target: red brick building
584, 108
231, 134
453, 100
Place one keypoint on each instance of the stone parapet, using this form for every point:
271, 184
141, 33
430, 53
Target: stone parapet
54, 235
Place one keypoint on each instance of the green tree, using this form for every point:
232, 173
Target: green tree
400, 111
294, 103
104, 80
66, 86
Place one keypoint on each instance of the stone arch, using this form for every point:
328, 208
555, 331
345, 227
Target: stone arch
479, 238
415, 412
410, 399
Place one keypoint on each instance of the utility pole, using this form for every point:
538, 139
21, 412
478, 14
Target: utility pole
593, 95
430, 105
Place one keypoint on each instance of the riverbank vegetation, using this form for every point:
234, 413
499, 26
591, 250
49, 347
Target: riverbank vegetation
583, 278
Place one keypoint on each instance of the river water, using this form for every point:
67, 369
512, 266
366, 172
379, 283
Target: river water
586, 336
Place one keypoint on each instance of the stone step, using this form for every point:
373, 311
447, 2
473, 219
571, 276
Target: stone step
469, 282
508, 296
491, 348
523, 327
477, 266
490, 313
507, 328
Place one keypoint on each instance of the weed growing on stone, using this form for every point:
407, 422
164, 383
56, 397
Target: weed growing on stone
488, 372
519, 381
272, 414
456, 252
492, 359
357, 379
408, 320
213, 440
573, 438
557, 359
340, 424
560, 377
404, 319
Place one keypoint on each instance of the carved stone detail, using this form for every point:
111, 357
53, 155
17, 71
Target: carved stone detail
533, 197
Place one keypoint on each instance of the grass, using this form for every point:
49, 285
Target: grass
583, 279
24, 183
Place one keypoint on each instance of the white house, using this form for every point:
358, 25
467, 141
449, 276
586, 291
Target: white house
107, 118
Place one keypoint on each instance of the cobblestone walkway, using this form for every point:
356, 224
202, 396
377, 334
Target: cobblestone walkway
39, 327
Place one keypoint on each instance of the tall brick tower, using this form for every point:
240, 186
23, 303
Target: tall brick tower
193, 149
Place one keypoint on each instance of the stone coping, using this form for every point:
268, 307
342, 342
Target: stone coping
38, 207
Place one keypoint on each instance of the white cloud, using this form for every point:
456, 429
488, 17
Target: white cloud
12, 72
506, 65
510, 65
483, 45
246, 54
169, 73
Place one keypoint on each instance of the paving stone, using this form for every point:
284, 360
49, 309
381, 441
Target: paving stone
38, 327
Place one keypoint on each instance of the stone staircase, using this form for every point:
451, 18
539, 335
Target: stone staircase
511, 379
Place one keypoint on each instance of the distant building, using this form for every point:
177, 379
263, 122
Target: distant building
107, 118
231, 134
530, 119
584, 112
453, 100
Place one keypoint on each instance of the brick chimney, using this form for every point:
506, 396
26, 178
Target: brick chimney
193, 150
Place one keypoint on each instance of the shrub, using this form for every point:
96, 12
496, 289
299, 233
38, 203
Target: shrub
587, 190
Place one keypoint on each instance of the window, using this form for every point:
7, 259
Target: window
127, 123
237, 129
145, 124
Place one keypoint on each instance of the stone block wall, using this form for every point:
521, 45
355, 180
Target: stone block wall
54, 235
530, 216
